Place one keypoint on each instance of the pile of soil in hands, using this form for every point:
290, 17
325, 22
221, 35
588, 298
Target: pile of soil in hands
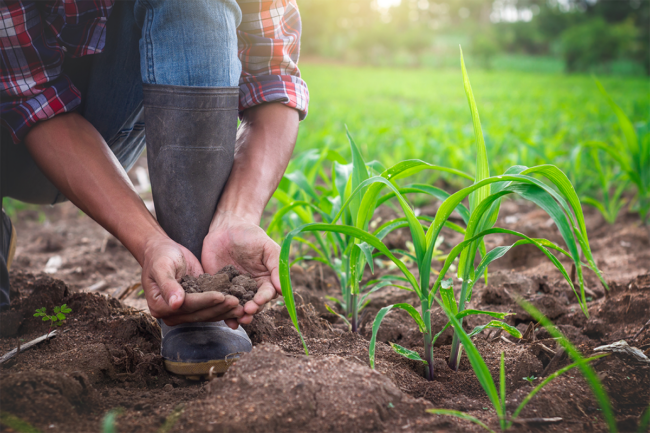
228, 281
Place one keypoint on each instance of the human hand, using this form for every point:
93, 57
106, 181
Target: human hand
233, 240
165, 263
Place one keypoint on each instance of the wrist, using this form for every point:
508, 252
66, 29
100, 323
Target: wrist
138, 241
224, 215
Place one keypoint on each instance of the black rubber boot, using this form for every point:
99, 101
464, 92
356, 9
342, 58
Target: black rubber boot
7, 250
191, 134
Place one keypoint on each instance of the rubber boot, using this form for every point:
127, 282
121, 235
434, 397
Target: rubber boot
191, 134
7, 250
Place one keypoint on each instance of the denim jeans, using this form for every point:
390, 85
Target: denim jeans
173, 42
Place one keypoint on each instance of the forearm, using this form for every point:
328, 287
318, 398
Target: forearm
265, 142
74, 156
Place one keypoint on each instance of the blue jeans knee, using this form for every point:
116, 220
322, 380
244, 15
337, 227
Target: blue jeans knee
189, 43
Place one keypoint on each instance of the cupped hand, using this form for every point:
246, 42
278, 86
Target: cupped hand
165, 263
232, 240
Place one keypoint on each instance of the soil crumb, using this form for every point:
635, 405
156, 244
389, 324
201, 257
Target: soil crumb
228, 281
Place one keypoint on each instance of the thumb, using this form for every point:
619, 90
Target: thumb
272, 263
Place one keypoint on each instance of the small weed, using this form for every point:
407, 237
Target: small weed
56, 319
530, 379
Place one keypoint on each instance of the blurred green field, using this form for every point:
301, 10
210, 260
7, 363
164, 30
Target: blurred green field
528, 118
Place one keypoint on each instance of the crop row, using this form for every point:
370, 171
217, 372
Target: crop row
328, 205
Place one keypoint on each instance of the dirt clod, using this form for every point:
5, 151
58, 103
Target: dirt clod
228, 281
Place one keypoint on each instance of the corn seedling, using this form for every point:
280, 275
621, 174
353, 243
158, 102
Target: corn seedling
631, 152
612, 186
497, 396
559, 201
342, 199
307, 204
56, 319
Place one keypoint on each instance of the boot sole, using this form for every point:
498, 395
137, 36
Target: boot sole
200, 370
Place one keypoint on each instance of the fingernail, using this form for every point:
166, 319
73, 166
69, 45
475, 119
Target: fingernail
172, 300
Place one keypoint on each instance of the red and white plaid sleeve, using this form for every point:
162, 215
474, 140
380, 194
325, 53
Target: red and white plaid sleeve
35, 36
269, 45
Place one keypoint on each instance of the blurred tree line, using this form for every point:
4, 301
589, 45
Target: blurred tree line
588, 35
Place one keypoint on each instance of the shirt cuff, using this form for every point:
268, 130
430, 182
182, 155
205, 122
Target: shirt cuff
20, 115
289, 90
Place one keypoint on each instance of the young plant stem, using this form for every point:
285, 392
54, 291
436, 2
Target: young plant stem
354, 320
428, 346
454, 355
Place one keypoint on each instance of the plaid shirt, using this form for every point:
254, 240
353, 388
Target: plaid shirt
36, 36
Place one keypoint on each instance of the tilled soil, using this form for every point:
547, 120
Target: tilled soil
106, 359
228, 281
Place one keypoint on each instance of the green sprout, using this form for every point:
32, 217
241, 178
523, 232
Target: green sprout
530, 379
56, 319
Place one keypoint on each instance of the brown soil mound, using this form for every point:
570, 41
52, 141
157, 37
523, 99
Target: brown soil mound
228, 281
268, 390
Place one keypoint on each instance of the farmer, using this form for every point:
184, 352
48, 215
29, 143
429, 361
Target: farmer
86, 83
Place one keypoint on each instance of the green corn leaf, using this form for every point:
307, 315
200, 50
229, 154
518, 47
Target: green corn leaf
333, 299
343, 172
478, 364
495, 254
430, 190
299, 179
285, 199
466, 313
307, 257
410, 167
461, 415
280, 213
448, 298
375, 327
367, 252
313, 246
545, 382
359, 174
342, 317
587, 371
496, 324
482, 168
564, 186
377, 322
378, 286
407, 353
377, 166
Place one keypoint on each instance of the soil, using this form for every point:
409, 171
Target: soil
106, 357
228, 281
